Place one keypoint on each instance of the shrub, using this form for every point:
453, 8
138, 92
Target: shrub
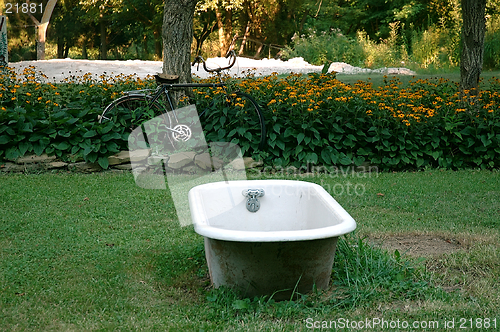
60, 119
436, 47
319, 120
361, 51
386, 53
313, 119
492, 50
325, 47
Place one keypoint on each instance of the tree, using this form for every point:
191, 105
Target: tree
473, 31
264, 22
67, 26
42, 28
100, 12
224, 13
177, 32
204, 25
145, 19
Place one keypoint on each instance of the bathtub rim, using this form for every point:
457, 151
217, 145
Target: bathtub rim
201, 226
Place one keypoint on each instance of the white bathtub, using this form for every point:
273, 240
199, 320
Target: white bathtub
287, 245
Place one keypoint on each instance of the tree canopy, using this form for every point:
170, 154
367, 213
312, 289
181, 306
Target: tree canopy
125, 29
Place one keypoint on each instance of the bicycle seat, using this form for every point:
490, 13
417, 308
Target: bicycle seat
166, 78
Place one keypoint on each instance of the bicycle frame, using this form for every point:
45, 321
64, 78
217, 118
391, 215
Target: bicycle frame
165, 89
150, 97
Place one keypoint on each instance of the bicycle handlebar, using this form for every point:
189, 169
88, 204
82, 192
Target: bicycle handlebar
230, 54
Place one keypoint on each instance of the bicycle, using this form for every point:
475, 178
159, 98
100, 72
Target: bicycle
136, 107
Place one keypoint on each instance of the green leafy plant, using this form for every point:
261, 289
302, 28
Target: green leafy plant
311, 120
60, 119
325, 47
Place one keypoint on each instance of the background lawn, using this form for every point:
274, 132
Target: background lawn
452, 75
96, 252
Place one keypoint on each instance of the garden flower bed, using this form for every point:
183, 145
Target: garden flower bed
311, 120
320, 120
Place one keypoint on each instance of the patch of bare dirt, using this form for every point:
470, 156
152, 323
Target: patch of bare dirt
418, 245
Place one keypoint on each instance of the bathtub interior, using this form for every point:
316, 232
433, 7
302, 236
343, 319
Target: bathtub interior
286, 206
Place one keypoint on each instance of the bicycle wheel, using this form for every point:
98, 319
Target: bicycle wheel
239, 119
132, 110
249, 113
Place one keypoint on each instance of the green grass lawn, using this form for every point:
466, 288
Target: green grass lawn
96, 252
453, 75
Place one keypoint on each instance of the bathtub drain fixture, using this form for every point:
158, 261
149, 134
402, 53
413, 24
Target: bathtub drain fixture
253, 204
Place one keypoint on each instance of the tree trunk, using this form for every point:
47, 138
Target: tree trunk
203, 36
84, 49
157, 37
40, 42
245, 36
104, 43
220, 25
177, 35
145, 46
473, 31
60, 48
228, 30
303, 21
225, 25
4, 49
42, 28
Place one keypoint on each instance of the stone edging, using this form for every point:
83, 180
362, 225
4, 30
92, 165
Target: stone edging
182, 162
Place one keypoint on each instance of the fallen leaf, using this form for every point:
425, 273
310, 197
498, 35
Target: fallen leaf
86, 199
380, 194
